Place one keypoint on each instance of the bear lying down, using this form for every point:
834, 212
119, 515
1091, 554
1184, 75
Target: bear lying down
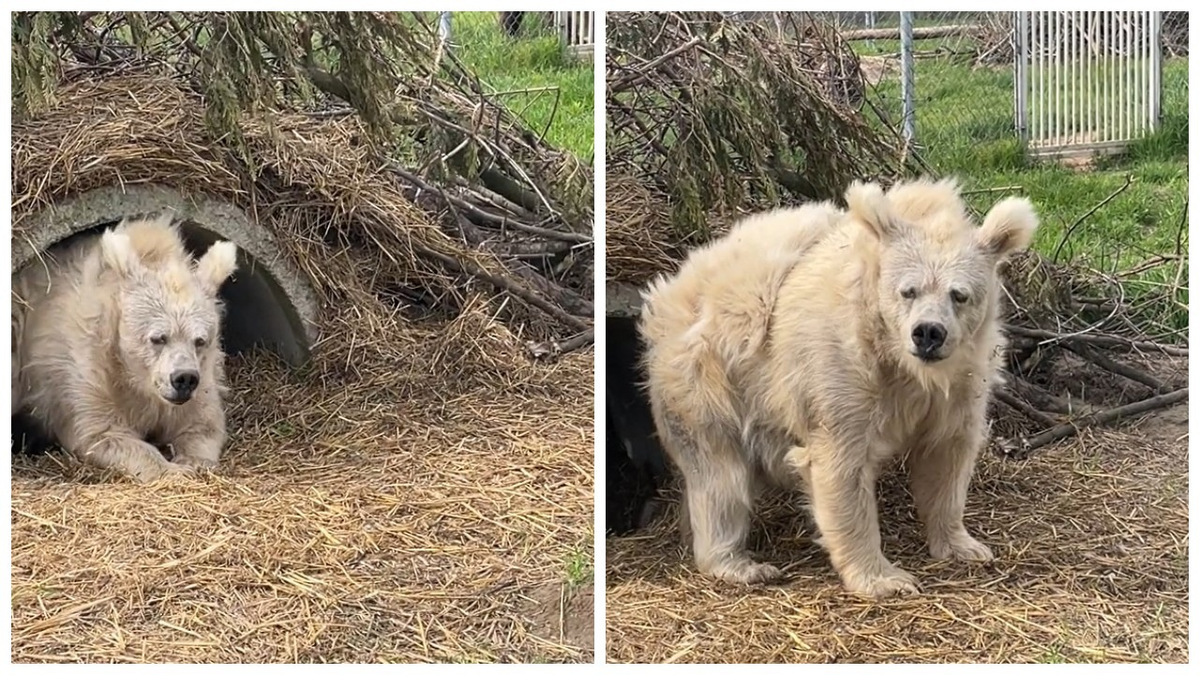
117, 341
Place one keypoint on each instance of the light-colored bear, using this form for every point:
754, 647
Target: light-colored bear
814, 343
117, 345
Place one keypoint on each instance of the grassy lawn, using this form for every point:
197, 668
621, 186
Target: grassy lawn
547, 86
964, 122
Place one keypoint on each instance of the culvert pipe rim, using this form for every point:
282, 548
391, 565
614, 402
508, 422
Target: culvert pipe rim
282, 309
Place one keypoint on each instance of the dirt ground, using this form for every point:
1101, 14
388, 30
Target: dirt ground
456, 525
1092, 566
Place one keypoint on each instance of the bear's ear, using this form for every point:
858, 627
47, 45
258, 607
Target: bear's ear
216, 265
1008, 228
867, 202
116, 250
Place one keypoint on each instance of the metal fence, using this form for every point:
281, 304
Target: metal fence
1087, 81
1052, 82
945, 79
576, 29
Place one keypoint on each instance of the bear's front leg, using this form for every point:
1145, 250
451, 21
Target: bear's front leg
940, 474
120, 450
199, 443
842, 485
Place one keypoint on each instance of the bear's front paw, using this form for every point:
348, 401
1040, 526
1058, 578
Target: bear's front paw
196, 462
960, 546
743, 571
150, 473
889, 581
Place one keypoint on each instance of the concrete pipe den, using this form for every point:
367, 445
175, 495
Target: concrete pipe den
268, 302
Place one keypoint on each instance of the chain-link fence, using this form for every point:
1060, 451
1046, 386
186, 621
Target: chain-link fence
576, 29
943, 79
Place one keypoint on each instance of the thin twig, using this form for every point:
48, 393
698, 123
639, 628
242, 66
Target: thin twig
1067, 234
1116, 368
509, 285
551, 348
644, 70
1148, 264
1096, 339
502, 221
986, 191
1025, 409
1020, 448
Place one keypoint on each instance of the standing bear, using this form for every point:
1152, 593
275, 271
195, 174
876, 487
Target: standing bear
809, 346
117, 345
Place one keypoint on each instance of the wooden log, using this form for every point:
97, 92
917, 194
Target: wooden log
919, 33
1020, 448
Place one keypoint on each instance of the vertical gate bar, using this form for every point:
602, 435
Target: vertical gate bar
1075, 78
1156, 70
906, 76
1020, 100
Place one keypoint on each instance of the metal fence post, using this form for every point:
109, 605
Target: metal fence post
1156, 53
909, 117
1021, 79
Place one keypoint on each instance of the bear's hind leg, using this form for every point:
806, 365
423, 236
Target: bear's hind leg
719, 493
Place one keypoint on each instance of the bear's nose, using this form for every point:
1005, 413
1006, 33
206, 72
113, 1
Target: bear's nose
928, 337
185, 381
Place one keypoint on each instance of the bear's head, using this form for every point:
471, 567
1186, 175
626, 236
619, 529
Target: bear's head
938, 285
169, 311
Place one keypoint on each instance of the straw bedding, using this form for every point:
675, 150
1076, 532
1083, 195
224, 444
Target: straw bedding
1092, 566
415, 493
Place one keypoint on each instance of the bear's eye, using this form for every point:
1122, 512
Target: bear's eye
959, 297
200, 343
908, 293
158, 340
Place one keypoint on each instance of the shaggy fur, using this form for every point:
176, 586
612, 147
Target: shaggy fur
116, 343
815, 344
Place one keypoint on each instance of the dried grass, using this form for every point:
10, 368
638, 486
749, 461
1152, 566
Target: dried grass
313, 182
1091, 544
364, 517
723, 115
409, 495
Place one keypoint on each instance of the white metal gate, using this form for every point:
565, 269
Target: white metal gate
1087, 82
576, 29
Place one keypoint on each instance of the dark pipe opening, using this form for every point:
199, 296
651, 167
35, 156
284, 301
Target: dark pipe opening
636, 466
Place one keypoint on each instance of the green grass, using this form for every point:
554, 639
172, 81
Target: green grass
964, 125
537, 59
579, 567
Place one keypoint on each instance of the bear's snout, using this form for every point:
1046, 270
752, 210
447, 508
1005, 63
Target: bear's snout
183, 384
928, 338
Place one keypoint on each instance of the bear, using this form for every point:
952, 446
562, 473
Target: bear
117, 346
809, 346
